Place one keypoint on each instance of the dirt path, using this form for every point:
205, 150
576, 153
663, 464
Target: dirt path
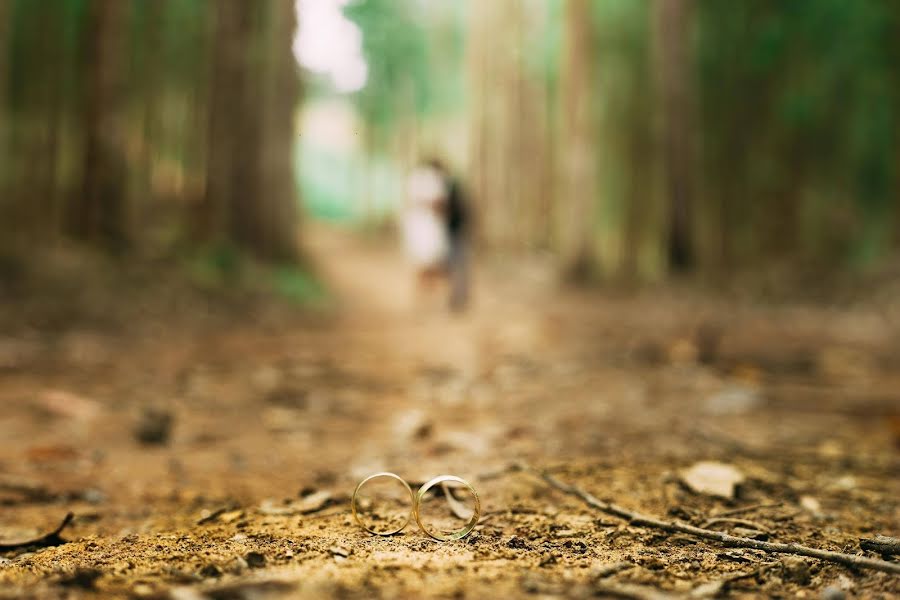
274, 423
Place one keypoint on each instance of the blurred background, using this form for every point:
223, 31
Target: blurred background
630, 140
683, 240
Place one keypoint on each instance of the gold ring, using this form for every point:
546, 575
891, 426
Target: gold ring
457, 535
354, 502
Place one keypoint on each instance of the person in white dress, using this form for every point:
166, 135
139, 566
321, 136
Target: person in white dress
433, 226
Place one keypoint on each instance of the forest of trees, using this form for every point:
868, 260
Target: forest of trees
636, 138
148, 127
630, 138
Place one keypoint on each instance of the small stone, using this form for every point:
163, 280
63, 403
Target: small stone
238, 565
255, 560
811, 505
833, 593
734, 400
154, 426
530, 584
795, 570
93, 496
211, 570
267, 378
141, 590
339, 551
81, 578
565, 533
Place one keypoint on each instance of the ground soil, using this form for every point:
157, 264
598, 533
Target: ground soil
276, 414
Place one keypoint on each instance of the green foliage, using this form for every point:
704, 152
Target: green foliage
799, 106
217, 265
300, 287
224, 266
396, 51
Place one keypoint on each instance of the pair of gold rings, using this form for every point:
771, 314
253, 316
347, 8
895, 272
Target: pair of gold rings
416, 501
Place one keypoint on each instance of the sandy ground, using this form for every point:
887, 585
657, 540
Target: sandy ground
275, 418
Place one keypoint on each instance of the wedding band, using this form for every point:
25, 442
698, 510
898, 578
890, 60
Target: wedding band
355, 500
456, 535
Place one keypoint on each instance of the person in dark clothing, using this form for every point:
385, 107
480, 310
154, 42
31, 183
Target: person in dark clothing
457, 221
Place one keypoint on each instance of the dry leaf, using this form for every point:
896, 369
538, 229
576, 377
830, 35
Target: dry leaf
712, 478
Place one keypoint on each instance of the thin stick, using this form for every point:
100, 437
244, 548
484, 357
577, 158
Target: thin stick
746, 509
731, 521
850, 560
45, 541
881, 543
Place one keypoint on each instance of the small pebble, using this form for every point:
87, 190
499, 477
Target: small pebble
154, 426
211, 570
255, 560
93, 496
238, 565
81, 578
795, 570
833, 593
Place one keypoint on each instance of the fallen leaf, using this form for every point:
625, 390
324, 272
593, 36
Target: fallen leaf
61, 403
811, 505
712, 478
50, 539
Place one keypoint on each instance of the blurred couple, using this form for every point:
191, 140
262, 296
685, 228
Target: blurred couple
435, 225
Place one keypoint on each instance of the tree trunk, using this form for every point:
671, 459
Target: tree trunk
250, 186
281, 94
99, 215
509, 131
671, 28
578, 169
6, 14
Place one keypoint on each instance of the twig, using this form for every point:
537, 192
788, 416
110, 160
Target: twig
746, 509
45, 541
640, 520
730, 521
611, 569
881, 543
212, 516
25, 492
715, 589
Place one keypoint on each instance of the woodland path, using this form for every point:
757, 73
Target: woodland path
277, 417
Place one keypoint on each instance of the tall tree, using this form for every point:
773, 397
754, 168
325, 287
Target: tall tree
674, 85
578, 169
99, 214
249, 198
509, 128
280, 93
5, 19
